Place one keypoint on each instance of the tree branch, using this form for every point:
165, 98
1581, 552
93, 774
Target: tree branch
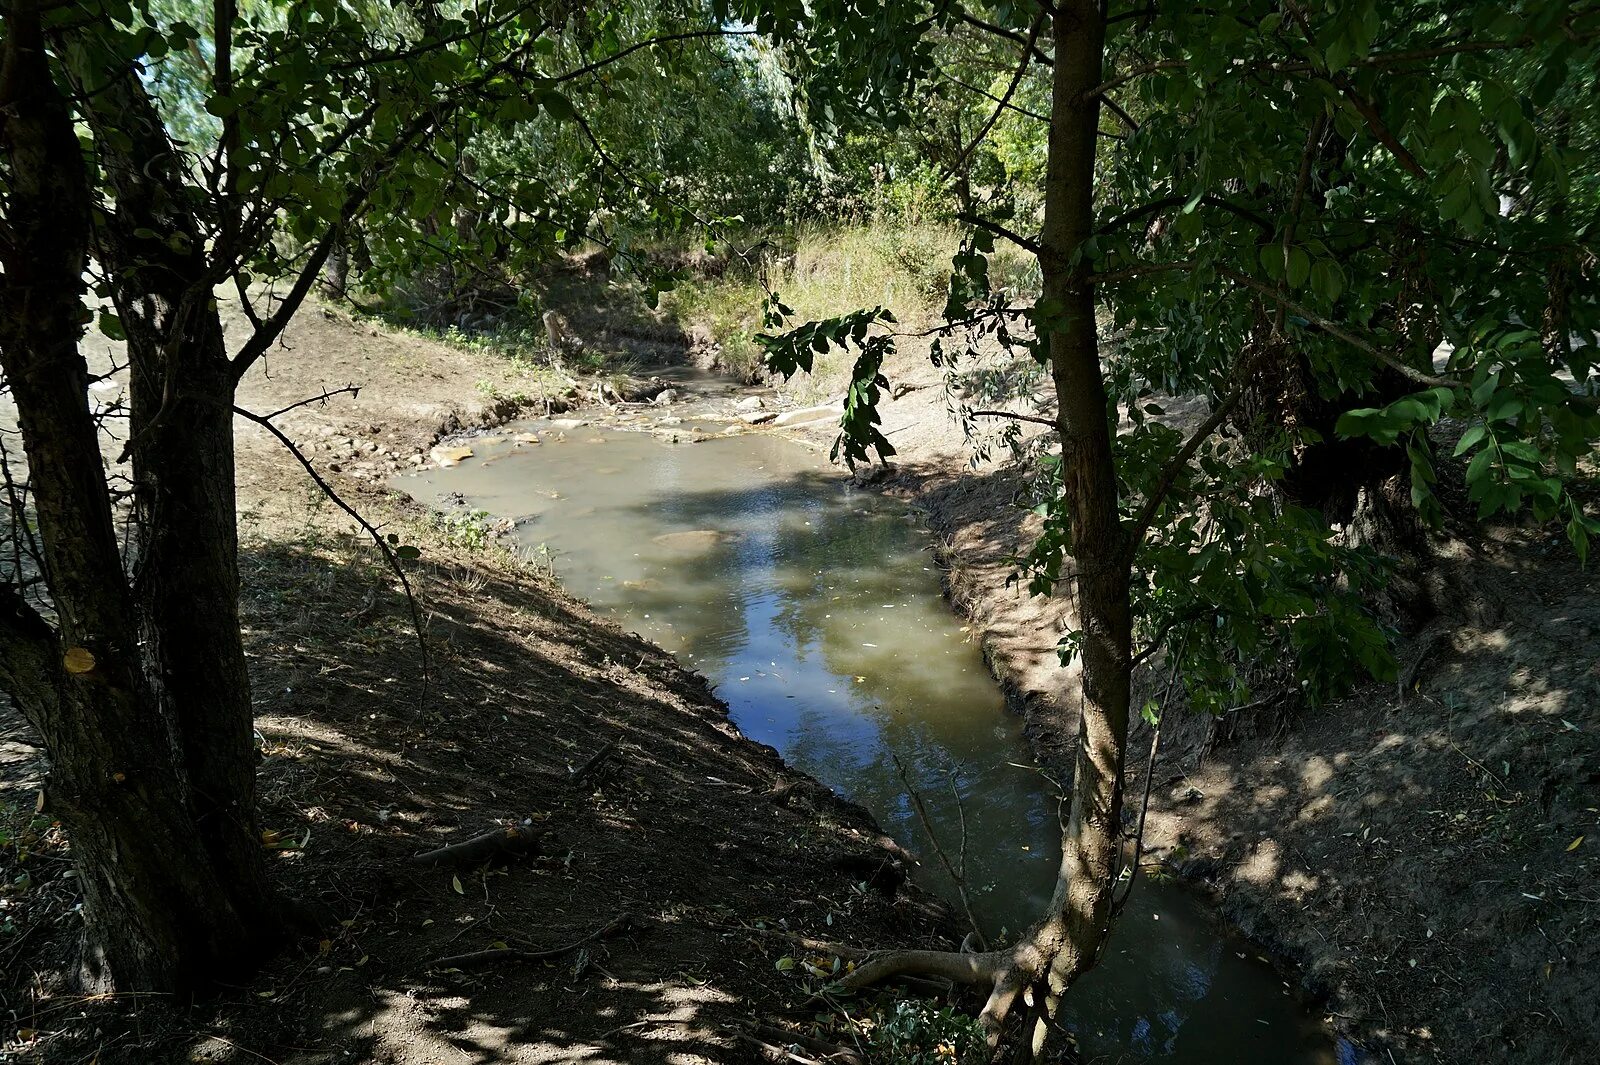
1174, 469
665, 38
1338, 332
1015, 417
1011, 35
383, 545
1011, 89
327, 394
999, 230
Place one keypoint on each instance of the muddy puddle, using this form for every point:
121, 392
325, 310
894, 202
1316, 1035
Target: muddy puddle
815, 610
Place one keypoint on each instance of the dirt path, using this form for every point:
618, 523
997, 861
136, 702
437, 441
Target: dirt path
698, 851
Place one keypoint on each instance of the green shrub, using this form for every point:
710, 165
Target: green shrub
916, 1032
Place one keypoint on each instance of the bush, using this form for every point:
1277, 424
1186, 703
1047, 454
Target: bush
916, 1032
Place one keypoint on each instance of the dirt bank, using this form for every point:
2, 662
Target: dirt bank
679, 868
1426, 858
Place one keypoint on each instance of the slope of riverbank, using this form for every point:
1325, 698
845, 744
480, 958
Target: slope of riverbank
1421, 856
1427, 857
678, 861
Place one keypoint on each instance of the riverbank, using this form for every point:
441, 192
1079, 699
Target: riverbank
1425, 858
1422, 858
679, 863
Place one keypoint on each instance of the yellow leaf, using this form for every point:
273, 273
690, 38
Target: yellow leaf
324, 946
25, 1035
1575, 844
78, 660
455, 882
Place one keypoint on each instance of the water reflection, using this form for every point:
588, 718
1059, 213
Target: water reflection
816, 612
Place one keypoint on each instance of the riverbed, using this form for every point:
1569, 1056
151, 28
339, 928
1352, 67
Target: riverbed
815, 609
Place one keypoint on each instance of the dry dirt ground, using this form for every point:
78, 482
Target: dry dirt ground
1428, 859
684, 864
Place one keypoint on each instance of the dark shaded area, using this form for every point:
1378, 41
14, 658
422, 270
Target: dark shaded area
688, 827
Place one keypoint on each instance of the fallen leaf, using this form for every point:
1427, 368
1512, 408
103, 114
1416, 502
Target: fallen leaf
78, 660
455, 882
1575, 844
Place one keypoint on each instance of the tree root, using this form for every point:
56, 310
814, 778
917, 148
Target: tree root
1006, 973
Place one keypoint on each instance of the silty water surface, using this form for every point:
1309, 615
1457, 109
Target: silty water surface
815, 610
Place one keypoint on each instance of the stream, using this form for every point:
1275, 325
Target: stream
815, 610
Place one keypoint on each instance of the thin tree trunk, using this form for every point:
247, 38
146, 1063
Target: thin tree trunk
157, 912
1090, 844
1069, 938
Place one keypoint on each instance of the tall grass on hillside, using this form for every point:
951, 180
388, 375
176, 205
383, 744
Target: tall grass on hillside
824, 272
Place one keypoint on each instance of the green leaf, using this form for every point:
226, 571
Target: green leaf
559, 107
1471, 438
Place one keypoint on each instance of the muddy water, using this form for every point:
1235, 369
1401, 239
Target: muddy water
816, 611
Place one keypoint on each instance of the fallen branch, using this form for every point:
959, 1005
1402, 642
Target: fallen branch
620, 923
511, 841
576, 776
777, 1040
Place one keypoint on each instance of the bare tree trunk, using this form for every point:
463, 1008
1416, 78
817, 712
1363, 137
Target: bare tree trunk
1069, 938
1090, 844
160, 912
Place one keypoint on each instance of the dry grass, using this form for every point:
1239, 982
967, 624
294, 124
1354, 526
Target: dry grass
830, 271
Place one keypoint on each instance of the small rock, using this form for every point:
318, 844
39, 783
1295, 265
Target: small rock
750, 403
448, 456
806, 415
666, 397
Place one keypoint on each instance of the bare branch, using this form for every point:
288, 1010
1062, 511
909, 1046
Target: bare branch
1011, 35
1025, 243
1011, 90
1015, 417
327, 394
371, 530
648, 42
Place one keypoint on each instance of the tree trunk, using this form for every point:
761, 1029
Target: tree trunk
1090, 844
1069, 938
158, 910
186, 574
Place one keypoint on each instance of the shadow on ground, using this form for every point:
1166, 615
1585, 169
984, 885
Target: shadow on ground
687, 828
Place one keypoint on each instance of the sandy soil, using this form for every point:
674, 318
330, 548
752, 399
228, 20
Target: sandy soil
698, 852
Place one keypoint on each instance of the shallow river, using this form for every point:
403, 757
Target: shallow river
816, 611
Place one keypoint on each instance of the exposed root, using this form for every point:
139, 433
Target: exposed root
1006, 973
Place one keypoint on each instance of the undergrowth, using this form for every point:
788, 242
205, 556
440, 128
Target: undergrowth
822, 273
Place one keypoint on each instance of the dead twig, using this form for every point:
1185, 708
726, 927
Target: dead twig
955, 874
576, 776
265, 421
618, 924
